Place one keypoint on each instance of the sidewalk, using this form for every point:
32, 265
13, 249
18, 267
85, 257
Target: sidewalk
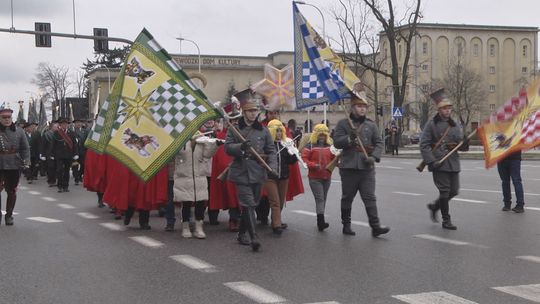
475, 152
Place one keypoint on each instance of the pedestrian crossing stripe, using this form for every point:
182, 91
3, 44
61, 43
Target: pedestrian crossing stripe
528, 292
439, 297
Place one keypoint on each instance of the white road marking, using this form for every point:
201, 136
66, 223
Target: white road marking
408, 193
34, 192
533, 208
113, 226
65, 206
328, 302
529, 258
439, 297
441, 239
469, 201
531, 166
22, 187
467, 169
390, 167
194, 263
406, 163
146, 241
254, 292
50, 199
336, 181
359, 223
305, 212
87, 215
495, 191
528, 292
43, 219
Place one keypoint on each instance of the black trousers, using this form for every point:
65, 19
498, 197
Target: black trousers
10, 180
358, 181
62, 172
51, 171
78, 170
448, 185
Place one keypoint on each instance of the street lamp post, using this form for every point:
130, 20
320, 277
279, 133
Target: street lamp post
197, 46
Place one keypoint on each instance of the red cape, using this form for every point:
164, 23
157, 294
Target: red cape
222, 193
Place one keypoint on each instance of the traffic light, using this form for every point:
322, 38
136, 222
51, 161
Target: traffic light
380, 110
101, 46
43, 40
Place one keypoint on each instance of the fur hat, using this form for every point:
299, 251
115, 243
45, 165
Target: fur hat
247, 100
275, 124
440, 99
318, 130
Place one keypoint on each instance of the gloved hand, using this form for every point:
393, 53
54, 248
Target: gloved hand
42, 157
370, 160
75, 157
25, 165
353, 137
52, 157
245, 145
434, 165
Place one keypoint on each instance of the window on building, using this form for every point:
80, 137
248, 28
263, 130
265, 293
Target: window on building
492, 70
524, 51
425, 88
524, 70
425, 67
492, 50
460, 49
492, 107
424, 48
492, 88
476, 50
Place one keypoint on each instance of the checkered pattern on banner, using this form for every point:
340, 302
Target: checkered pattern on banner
175, 107
530, 131
100, 121
120, 118
311, 87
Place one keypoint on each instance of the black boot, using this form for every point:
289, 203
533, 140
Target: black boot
321, 224
144, 219
433, 210
100, 200
128, 215
213, 217
263, 210
10, 205
255, 243
242, 237
346, 221
447, 224
374, 223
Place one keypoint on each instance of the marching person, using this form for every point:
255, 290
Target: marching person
14, 155
317, 155
441, 135
63, 151
245, 170
190, 184
46, 153
394, 140
34, 138
276, 186
510, 169
357, 136
80, 137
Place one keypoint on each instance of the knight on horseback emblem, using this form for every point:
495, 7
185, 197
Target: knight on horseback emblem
140, 143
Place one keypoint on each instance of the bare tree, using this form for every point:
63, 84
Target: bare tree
53, 81
466, 89
361, 21
81, 85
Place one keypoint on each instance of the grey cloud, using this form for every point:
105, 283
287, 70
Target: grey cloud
33, 8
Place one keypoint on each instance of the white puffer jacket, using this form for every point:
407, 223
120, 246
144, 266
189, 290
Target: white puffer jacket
190, 184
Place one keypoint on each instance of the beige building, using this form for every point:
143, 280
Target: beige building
505, 57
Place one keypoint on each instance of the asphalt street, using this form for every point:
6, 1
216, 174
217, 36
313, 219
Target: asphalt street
63, 249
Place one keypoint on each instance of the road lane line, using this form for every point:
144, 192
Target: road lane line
4, 213
359, 223
254, 292
22, 187
528, 292
147, 241
441, 239
113, 226
305, 212
469, 201
407, 193
533, 208
495, 191
34, 192
50, 199
328, 302
439, 297
335, 181
390, 167
530, 258
194, 263
43, 219
87, 215
65, 206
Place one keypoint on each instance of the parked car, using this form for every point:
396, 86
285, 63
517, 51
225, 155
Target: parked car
414, 138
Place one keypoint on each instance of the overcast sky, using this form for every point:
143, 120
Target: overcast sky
220, 27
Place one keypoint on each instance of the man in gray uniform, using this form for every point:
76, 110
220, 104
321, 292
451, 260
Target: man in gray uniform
358, 172
441, 135
245, 171
14, 155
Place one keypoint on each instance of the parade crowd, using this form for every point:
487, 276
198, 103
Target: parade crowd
245, 165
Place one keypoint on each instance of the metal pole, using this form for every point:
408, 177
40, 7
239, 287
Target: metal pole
320, 12
74, 28
198, 50
52, 34
12, 26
